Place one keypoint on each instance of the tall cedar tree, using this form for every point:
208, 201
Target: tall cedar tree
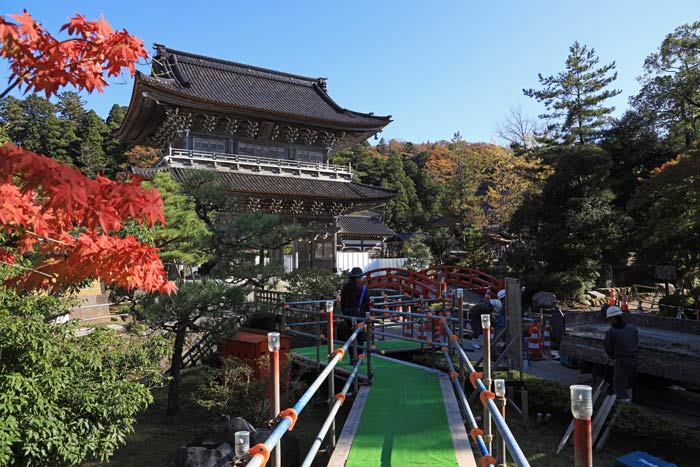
575, 96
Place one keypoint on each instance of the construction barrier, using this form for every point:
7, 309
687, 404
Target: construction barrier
534, 350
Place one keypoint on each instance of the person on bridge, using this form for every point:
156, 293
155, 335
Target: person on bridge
622, 344
354, 301
483, 308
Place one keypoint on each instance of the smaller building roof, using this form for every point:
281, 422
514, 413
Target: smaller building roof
362, 225
252, 184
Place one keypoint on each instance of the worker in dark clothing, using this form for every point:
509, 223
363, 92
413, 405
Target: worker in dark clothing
354, 301
622, 344
483, 308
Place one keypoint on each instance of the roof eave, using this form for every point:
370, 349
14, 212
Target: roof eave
173, 97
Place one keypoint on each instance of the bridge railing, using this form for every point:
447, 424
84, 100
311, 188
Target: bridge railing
464, 277
412, 282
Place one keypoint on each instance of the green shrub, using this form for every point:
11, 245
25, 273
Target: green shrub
233, 390
566, 284
548, 397
571, 284
672, 301
652, 431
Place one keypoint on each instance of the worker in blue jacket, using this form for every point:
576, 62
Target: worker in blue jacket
622, 345
354, 301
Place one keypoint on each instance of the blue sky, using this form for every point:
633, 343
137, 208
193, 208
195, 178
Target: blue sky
436, 66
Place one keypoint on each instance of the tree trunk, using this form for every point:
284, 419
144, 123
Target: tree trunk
175, 366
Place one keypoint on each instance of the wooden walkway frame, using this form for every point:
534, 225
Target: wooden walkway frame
602, 387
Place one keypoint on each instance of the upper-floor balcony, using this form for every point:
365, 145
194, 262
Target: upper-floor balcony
235, 162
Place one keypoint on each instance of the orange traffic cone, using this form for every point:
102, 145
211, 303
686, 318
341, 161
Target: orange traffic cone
611, 299
533, 347
623, 304
547, 341
407, 328
399, 318
421, 332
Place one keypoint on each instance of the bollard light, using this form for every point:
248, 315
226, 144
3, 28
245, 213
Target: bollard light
581, 401
329, 306
460, 293
273, 341
486, 321
241, 443
500, 387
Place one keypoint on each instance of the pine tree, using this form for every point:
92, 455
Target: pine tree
575, 96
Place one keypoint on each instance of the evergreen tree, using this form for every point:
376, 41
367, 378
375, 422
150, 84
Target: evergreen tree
670, 94
575, 96
405, 207
236, 239
666, 210
71, 107
71, 112
462, 204
91, 158
112, 147
12, 117
428, 191
41, 128
571, 223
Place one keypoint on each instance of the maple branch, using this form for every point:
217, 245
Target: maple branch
13, 85
41, 237
27, 268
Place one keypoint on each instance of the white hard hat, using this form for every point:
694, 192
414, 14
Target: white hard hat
501, 294
496, 303
613, 311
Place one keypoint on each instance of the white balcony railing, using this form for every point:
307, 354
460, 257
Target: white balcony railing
237, 162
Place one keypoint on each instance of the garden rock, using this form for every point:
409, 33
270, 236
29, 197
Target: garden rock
596, 294
544, 300
198, 456
222, 431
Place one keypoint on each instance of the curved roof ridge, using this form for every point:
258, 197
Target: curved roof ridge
252, 68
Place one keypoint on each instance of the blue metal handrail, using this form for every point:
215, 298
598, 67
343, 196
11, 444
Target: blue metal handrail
511, 443
331, 416
258, 458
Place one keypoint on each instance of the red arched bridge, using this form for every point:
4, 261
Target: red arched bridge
429, 282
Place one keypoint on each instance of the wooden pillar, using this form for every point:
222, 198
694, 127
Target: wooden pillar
295, 249
334, 268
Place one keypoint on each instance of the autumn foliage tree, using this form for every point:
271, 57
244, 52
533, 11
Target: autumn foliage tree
58, 226
65, 399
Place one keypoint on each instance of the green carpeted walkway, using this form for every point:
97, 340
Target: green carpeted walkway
404, 421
